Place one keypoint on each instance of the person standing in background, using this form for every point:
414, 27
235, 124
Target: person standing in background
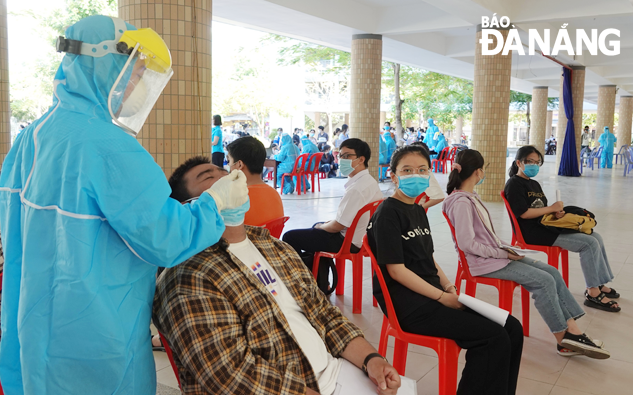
217, 151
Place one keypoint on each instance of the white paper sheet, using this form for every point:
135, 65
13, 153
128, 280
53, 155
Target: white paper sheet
493, 313
352, 381
558, 199
519, 251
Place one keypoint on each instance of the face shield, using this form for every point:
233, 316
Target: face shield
142, 80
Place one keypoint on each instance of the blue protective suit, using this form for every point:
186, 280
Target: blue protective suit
86, 219
607, 141
430, 134
441, 143
386, 147
287, 155
308, 147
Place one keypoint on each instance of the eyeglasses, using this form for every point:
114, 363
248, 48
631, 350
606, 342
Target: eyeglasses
410, 170
346, 156
532, 162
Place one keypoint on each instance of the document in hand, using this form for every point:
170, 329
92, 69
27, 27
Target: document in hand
518, 251
352, 381
493, 313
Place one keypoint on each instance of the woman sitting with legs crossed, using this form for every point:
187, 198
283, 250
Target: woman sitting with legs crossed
487, 257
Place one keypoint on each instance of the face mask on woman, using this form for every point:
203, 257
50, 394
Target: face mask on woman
531, 170
413, 185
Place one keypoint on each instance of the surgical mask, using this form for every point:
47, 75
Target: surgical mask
311, 134
235, 216
413, 185
346, 167
135, 101
482, 180
531, 170
387, 127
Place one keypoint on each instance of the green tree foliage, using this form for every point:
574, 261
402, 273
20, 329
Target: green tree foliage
32, 86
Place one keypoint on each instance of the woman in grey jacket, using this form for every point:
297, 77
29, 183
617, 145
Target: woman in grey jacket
487, 257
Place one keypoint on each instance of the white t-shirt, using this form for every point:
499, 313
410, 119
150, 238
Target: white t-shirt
326, 368
483, 213
360, 190
434, 191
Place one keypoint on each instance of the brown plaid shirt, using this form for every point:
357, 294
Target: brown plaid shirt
226, 330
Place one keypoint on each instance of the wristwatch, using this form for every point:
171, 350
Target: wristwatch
368, 358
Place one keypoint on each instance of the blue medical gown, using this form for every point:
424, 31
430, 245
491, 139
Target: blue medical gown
308, 147
386, 146
441, 143
607, 141
86, 219
287, 156
430, 135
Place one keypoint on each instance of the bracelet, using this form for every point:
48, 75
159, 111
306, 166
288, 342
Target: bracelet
367, 358
448, 286
443, 292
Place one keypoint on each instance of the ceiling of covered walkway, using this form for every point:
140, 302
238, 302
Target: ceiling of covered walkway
439, 35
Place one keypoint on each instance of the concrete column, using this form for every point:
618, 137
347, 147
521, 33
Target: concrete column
491, 106
5, 108
548, 127
459, 127
578, 94
317, 120
538, 126
365, 88
606, 108
624, 126
346, 119
179, 126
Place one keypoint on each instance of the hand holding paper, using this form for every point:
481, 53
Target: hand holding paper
493, 313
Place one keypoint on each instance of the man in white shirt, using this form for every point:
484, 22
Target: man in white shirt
360, 190
245, 316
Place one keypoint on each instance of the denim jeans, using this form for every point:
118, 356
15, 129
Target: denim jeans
551, 297
593, 256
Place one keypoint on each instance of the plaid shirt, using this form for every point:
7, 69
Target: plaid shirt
226, 330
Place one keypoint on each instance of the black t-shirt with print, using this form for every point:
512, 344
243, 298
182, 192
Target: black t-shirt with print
400, 233
522, 195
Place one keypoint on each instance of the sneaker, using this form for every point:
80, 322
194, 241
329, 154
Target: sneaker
566, 352
584, 345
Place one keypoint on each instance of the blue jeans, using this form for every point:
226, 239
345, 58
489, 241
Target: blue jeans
593, 256
551, 297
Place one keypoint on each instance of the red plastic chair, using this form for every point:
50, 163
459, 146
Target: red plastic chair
275, 226
450, 158
298, 171
345, 254
505, 287
422, 196
313, 163
170, 355
440, 161
447, 350
552, 252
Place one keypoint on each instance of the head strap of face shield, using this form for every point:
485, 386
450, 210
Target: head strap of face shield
95, 50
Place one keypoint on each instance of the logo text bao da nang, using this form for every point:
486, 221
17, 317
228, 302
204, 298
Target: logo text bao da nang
562, 43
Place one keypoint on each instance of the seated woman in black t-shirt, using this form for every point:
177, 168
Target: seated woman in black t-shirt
424, 299
529, 204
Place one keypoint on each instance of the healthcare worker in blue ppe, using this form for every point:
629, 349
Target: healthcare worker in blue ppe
430, 134
86, 221
607, 142
287, 156
440, 144
308, 147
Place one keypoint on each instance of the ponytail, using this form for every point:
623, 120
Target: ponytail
469, 160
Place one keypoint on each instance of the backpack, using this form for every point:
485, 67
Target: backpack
575, 220
326, 265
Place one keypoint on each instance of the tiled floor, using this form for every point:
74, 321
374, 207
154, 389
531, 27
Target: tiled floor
605, 192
